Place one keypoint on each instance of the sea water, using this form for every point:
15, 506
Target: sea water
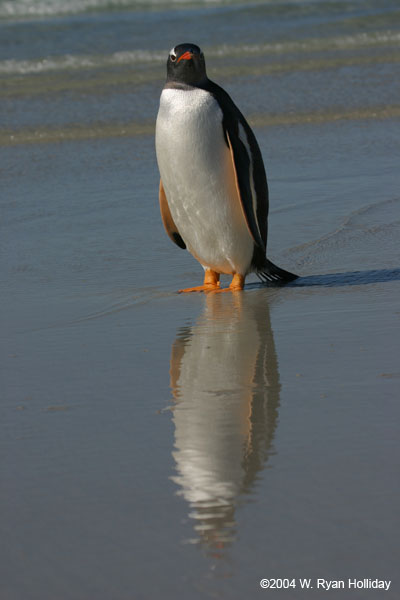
188, 446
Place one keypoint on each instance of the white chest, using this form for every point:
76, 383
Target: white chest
189, 136
197, 173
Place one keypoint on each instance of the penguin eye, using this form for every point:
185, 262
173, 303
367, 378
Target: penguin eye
173, 57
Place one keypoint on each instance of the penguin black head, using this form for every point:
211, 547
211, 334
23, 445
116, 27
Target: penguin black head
186, 64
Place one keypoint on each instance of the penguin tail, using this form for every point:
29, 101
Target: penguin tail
270, 273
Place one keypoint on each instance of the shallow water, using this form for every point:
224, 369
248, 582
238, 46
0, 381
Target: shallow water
189, 445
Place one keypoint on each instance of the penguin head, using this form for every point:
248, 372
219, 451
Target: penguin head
186, 64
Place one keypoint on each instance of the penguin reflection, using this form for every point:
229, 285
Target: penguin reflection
225, 383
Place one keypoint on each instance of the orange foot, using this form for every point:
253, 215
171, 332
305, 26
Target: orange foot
210, 284
237, 284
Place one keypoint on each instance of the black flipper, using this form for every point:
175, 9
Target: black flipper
168, 221
270, 273
251, 180
242, 169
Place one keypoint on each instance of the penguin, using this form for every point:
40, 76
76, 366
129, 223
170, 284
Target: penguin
213, 190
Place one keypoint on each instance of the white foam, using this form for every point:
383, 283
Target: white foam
76, 62
141, 56
19, 9
309, 45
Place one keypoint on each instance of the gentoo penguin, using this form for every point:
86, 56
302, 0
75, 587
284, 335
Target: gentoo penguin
213, 188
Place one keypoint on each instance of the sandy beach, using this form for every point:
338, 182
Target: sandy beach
159, 444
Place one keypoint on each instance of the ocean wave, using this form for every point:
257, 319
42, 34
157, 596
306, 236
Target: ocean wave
71, 62
357, 40
25, 9
141, 56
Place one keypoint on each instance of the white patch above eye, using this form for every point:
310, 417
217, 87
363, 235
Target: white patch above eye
172, 53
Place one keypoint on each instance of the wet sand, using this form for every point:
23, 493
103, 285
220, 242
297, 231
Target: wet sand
163, 444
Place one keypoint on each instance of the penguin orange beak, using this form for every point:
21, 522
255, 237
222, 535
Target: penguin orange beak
187, 56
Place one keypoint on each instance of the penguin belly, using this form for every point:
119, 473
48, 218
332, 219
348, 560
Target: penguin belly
199, 181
